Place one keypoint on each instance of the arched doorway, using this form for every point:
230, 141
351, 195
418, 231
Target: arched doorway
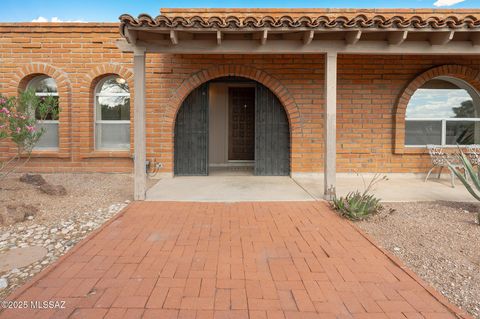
232, 122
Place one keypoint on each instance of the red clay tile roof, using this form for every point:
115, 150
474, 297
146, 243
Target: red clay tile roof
307, 19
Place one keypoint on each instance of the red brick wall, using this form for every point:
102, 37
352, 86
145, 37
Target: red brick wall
78, 55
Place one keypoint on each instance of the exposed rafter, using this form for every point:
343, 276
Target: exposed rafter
264, 37
174, 37
441, 38
397, 37
219, 37
353, 37
308, 37
274, 46
475, 38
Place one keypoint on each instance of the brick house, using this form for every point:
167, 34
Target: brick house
283, 92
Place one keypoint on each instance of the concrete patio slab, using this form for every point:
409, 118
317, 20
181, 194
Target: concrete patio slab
230, 260
228, 189
398, 187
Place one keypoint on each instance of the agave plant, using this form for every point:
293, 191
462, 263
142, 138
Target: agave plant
470, 178
472, 183
356, 205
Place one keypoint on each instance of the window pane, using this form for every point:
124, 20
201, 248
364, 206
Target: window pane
113, 108
50, 115
462, 132
49, 139
423, 132
114, 84
440, 99
112, 136
43, 84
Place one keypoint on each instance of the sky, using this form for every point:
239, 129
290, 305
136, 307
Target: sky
110, 10
428, 103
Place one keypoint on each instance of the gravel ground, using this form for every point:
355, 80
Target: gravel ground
440, 241
62, 221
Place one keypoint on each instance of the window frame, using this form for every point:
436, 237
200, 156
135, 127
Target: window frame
96, 121
57, 122
443, 133
461, 84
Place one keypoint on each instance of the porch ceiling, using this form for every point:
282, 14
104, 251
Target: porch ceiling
360, 31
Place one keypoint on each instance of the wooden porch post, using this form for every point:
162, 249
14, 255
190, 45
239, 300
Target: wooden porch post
139, 137
330, 119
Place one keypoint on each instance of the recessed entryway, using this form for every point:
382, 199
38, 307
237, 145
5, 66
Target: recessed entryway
232, 126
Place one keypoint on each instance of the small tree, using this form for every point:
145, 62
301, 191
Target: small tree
19, 123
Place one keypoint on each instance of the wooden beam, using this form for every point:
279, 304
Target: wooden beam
397, 37
174, 37
297, 47
139, 136
441, 37
263, 39
219, 37
353, 37
330, 126
308, 37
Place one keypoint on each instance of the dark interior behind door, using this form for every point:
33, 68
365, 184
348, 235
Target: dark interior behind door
241, 123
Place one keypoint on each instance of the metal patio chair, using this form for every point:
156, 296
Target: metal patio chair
473, 153
441, 159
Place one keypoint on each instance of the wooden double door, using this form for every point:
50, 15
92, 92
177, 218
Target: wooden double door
258, 131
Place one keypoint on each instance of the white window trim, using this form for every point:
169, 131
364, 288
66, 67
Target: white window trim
443, 128
42, 94
96, 121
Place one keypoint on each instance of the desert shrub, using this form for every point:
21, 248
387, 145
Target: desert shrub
19, 126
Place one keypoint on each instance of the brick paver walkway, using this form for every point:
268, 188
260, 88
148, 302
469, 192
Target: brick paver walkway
221, 260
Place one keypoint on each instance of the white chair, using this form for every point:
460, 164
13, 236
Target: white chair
441, 159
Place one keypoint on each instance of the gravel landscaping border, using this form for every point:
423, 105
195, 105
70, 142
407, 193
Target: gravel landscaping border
61, 221
439, 241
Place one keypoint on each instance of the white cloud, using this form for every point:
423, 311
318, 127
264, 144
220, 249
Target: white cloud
446, 3
436, 103
53, 19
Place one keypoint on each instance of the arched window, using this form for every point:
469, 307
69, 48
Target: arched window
112, 114
44, 86
444, 111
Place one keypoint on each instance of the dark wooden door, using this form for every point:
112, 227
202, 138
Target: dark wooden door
241, 123
191, 134
272, 135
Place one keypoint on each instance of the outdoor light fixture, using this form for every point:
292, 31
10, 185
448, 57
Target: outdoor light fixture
120, 80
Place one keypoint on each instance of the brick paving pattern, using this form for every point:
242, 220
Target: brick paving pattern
229, 260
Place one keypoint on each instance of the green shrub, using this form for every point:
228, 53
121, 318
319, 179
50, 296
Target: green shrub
357, 206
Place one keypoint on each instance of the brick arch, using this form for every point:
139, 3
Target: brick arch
19, 82
21, 78
469, 75
87, 86
194, 81
91, 78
